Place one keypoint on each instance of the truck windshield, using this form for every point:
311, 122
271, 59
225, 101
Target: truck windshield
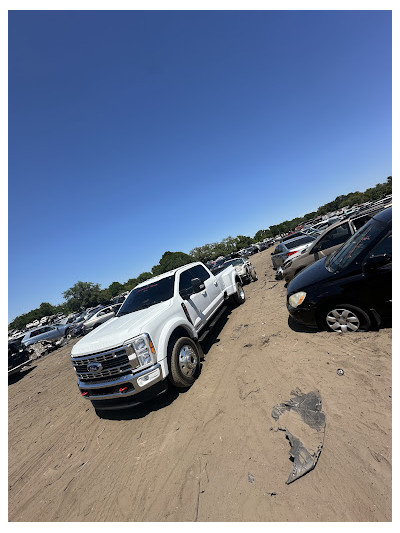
352, 249
148, 295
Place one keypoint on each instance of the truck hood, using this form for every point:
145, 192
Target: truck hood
117, 330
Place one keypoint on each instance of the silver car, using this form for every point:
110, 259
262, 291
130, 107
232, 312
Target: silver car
288, 248
46, 333
102, 315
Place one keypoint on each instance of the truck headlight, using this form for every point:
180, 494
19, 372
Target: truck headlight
297, 298
144, 349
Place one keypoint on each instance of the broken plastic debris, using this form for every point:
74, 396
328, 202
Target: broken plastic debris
250, 478
340, 372
303, 414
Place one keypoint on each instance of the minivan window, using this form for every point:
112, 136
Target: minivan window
148, 295
360, 221
355, 246
334, 237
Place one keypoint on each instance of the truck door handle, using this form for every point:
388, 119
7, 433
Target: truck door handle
216, 283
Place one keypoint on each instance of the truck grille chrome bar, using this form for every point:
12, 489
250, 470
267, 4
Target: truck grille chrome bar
105, 365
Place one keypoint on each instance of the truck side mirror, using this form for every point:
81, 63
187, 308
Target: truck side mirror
197, 285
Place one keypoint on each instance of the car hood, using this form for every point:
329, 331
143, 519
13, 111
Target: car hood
313, 274
117, 330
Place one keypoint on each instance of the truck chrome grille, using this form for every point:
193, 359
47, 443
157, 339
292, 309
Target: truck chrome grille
114, 364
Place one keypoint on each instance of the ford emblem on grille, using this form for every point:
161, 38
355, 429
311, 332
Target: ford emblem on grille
94, 367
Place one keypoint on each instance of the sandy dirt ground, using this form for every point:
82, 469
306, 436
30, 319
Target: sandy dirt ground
209, 454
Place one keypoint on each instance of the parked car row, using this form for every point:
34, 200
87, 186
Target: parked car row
351, 288
73, 325
326, 243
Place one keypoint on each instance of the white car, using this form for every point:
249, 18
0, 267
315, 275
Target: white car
243, 267
102, 315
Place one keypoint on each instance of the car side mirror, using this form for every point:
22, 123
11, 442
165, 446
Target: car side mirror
373, 263
197, 285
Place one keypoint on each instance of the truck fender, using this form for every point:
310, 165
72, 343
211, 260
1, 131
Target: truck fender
233, 277
166, 333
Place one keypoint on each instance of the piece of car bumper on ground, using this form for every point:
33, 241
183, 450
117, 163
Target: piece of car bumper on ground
302, 413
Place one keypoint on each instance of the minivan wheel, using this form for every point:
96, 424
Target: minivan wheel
345, 318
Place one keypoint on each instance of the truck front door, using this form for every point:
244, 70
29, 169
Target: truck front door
198, 304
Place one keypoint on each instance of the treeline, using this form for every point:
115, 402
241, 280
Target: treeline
370, 195
86, 294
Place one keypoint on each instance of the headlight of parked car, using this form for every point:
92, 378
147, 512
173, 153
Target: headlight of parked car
297, 298
144, 349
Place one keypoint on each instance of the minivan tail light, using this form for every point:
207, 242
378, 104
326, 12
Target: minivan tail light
291, 253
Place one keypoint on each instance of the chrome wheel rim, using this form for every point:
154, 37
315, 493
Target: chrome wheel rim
187, 360
342, 320
240, 291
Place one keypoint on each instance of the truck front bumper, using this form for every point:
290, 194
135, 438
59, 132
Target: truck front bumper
122, 387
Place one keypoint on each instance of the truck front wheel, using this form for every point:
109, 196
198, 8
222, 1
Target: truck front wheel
184, 363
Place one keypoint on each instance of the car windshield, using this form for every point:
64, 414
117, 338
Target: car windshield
93, 312
148, 295
233, 262
350, 251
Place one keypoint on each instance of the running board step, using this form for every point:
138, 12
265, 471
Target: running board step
212, 324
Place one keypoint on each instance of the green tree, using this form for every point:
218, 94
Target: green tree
202, 253
243, 241
262, 234
115, 288
82, 295
170, 261
144, 276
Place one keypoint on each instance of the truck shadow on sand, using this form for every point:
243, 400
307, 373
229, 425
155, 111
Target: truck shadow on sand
212, 336
142, 410
171, 394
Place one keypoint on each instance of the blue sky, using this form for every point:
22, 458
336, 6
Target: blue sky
133, 133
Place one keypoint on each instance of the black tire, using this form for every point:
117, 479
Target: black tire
66, 333
184, 363
344, 318
239, 296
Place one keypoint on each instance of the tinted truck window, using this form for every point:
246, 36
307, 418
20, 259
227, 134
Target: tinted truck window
148, 295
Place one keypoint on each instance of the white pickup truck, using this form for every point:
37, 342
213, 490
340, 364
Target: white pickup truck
154, 337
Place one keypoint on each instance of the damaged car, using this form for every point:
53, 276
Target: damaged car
243, 267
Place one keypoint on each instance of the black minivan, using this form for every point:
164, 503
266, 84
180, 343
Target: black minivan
351, 289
